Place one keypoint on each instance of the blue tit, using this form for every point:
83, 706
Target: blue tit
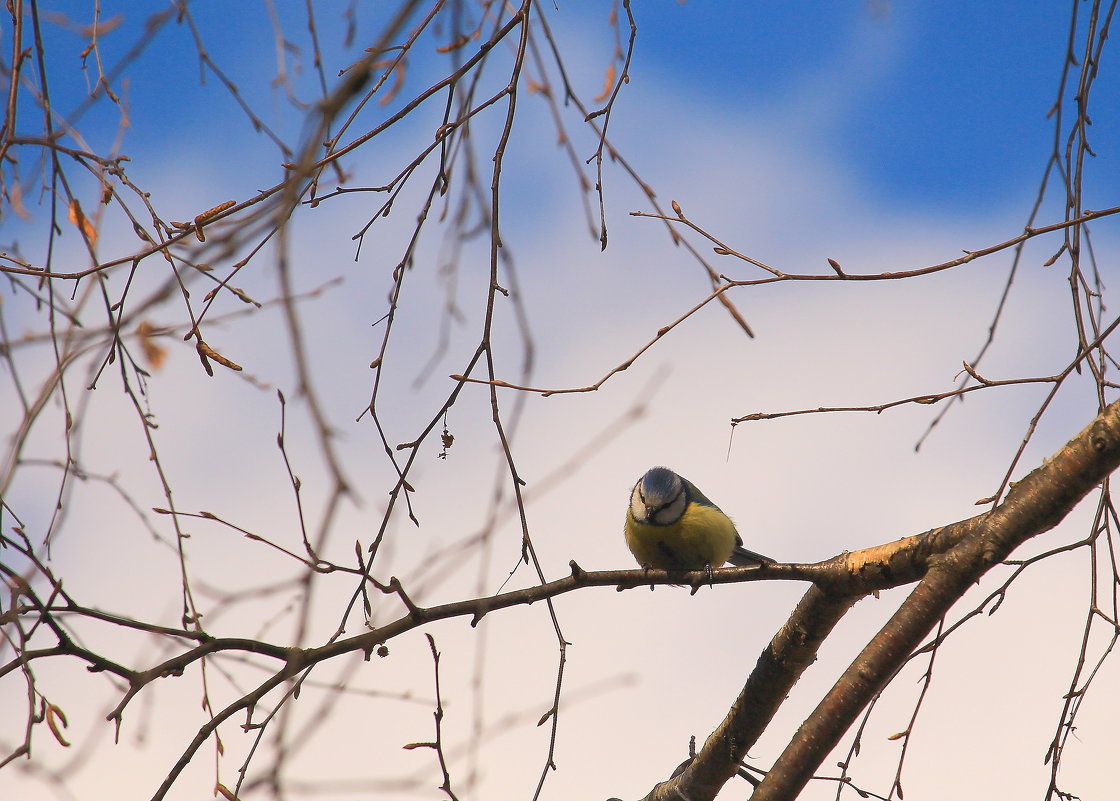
671, 525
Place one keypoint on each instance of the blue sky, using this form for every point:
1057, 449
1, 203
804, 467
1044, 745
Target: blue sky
937, 107
885, 135
938, 104
931, 103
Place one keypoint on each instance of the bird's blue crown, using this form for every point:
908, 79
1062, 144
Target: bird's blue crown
660, 482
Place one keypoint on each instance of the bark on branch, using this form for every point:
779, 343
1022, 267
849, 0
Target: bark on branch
947, 560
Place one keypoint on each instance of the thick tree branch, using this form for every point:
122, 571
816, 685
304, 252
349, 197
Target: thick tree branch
779, 667
957, 556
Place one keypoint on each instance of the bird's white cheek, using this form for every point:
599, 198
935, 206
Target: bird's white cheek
637, 507
667, 515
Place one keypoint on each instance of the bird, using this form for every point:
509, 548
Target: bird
672, 525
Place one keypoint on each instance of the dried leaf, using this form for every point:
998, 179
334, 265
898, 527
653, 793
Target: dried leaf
459, 42
206, 352
155, 354
56, 716
608, 85
214, 212
15, 199
78, 217
398, 83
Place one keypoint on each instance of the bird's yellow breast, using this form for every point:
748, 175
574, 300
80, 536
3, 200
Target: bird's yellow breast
704, 535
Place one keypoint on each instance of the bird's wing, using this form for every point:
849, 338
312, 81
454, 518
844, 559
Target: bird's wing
741, 557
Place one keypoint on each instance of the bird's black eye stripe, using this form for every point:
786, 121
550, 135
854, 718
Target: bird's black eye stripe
642, 495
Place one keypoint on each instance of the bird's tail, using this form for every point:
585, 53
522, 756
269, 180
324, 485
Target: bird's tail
741, 557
